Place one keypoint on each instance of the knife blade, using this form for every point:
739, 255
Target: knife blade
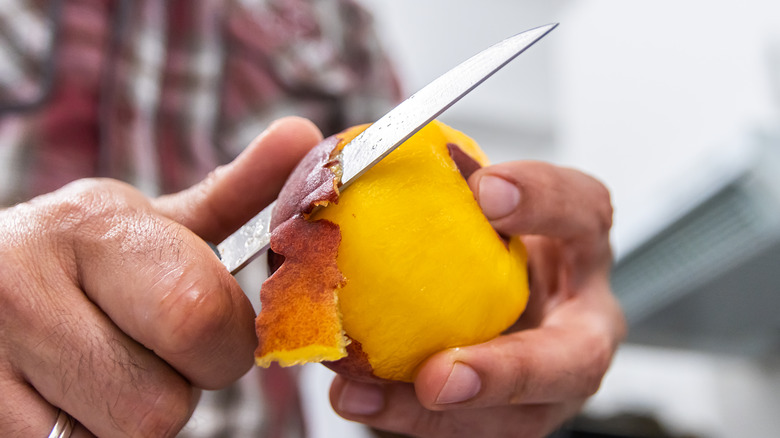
387, 133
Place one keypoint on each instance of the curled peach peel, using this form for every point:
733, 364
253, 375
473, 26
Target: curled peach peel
400, 266
310, 308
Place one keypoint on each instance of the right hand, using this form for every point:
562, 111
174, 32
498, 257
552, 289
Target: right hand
114, 309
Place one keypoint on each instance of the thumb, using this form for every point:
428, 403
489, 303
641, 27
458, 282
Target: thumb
234, 193
563, 359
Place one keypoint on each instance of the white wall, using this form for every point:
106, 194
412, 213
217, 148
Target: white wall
658, 97
512, 115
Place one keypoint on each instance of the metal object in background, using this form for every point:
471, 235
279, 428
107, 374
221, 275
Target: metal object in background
710, 281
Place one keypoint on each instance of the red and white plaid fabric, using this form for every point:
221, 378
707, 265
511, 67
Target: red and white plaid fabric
159, 92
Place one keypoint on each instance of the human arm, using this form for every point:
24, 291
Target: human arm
528, 381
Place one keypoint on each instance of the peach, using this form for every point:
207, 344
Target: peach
401, 265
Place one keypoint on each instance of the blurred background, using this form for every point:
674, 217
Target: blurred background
675, 106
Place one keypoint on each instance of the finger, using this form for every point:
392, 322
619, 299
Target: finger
234, 193
398, 410
565, 358
526, 197
25, 413
69, 354
160, 284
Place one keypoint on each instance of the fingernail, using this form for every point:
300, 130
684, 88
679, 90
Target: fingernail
358, 398
462, 384
497, 196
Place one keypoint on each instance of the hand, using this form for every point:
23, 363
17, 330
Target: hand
114, 309
528, 381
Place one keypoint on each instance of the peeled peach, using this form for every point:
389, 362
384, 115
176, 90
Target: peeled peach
401, 265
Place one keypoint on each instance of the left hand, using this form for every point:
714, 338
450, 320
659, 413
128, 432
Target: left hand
527, 382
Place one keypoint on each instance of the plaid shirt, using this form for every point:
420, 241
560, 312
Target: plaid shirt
158, 93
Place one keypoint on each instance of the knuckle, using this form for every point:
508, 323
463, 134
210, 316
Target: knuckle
82, 201
430, 423
601, 203
127, 390
520, 383
167, 413
521, 373
604, 209
194, 316
600, 358
84, 212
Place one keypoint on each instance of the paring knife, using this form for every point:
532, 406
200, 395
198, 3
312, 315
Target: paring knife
387, 133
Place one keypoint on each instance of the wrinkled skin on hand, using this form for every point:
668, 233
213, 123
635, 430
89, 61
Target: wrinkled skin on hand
528, 381
113, 307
